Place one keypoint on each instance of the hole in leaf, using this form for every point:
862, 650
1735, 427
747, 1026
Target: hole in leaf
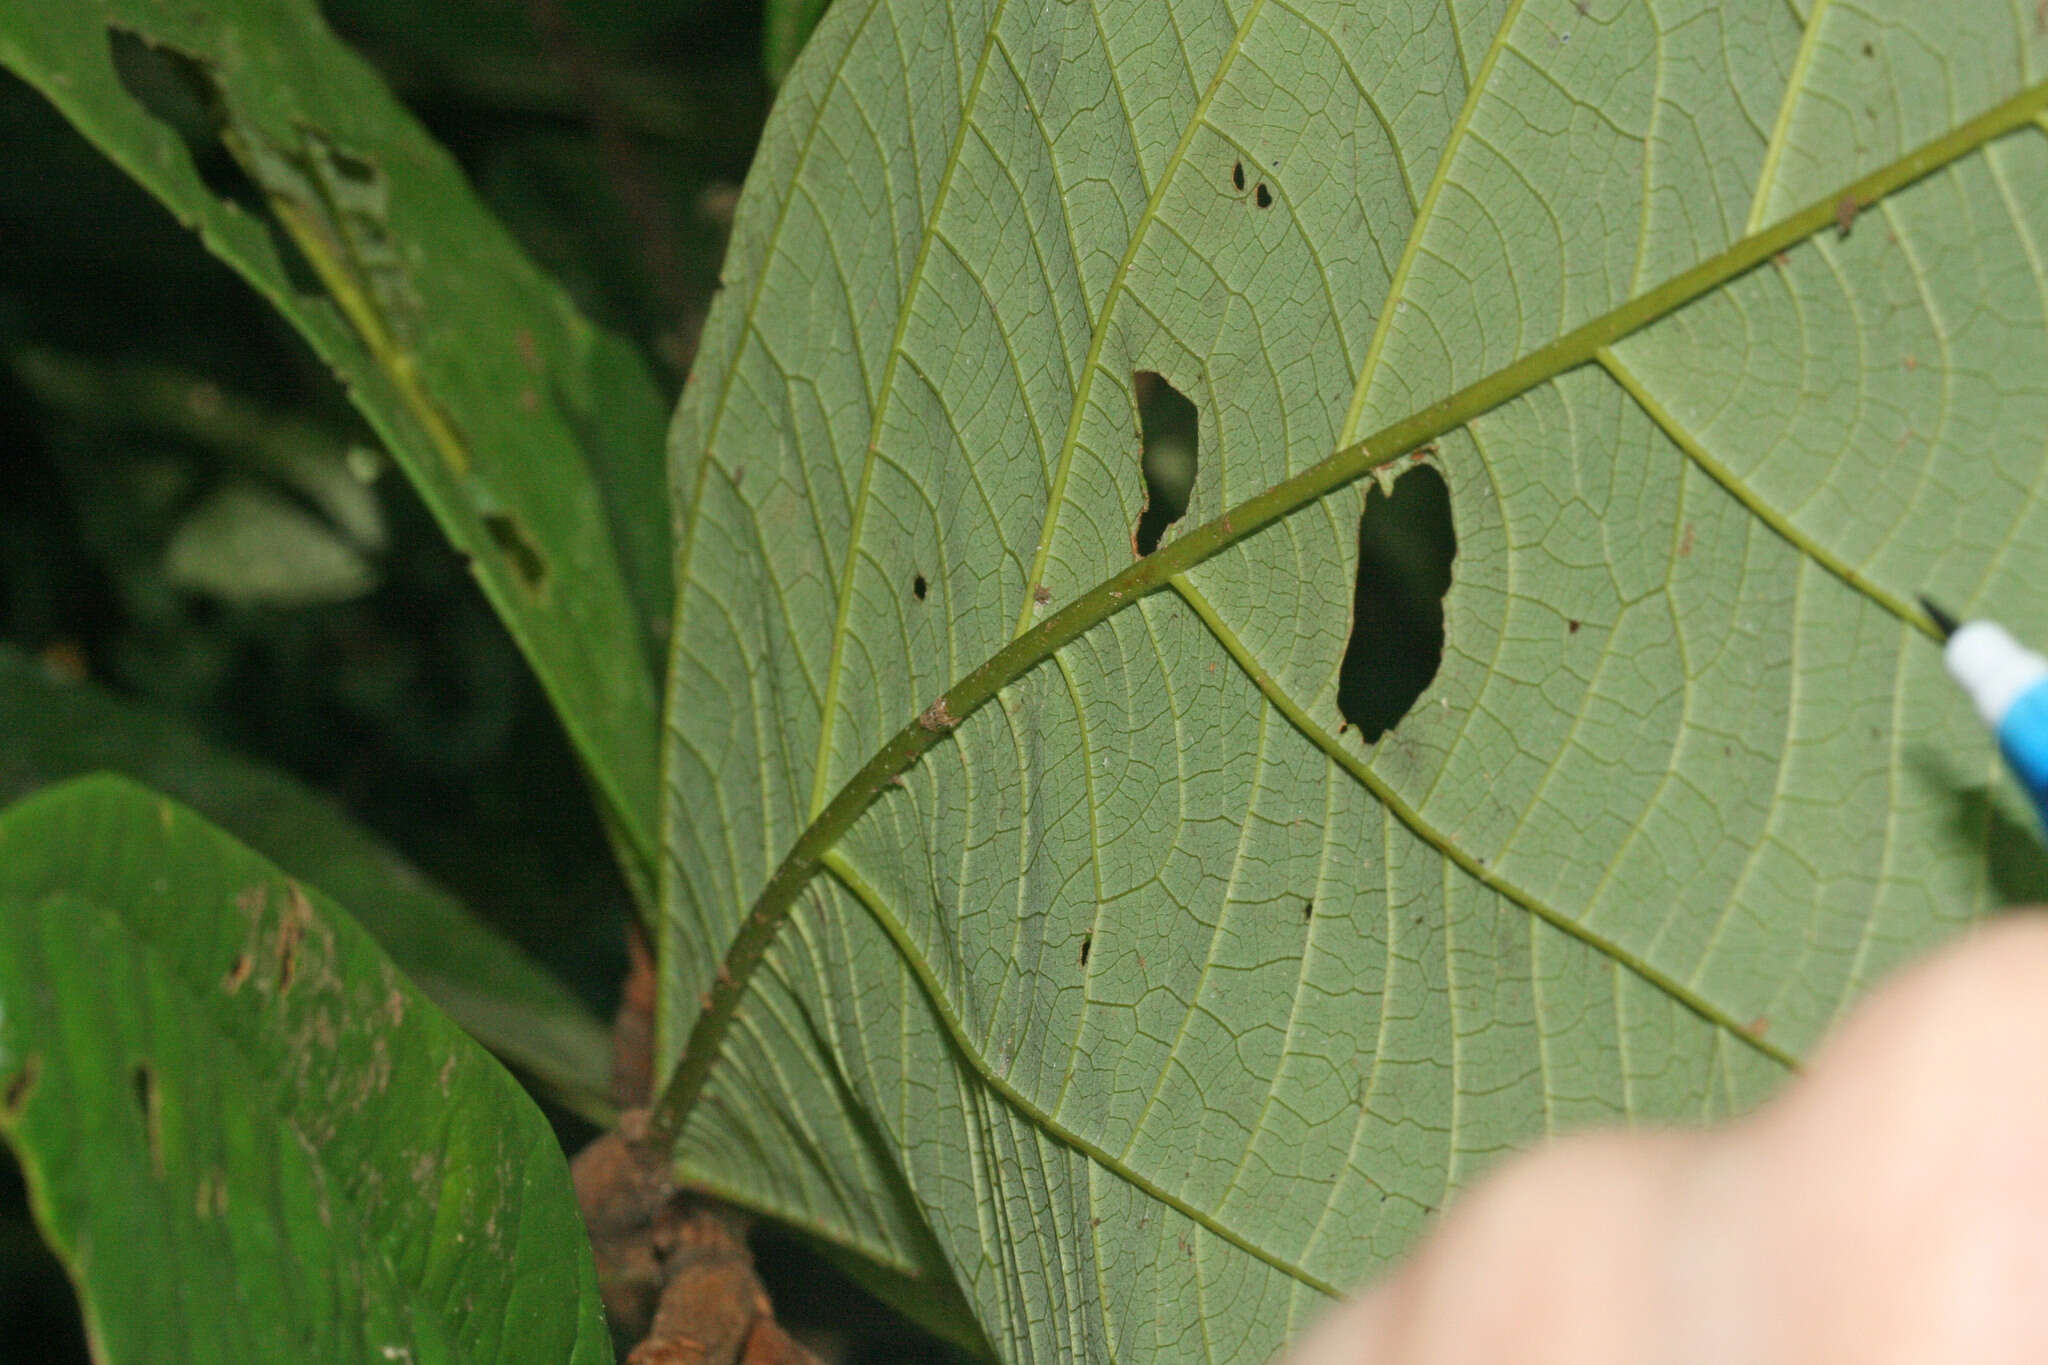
1237, 175
1264, 198
918, 587
20, 1086
143, 1077
1087, 941
1405, 548
180, 91
1168, 431
1308, 911
519, 550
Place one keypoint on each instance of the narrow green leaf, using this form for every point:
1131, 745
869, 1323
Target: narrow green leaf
244, 1133
507, 1002
1180, 1005
531, 435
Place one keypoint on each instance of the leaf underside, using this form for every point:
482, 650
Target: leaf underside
243, 1131
1688, 778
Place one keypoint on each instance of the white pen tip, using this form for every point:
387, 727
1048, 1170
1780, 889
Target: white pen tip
1992, 667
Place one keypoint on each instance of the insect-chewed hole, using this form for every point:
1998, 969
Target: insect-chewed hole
1264, 197
509, 535
1405, 548
1168, 432
181, 92
918, 587
1237, 175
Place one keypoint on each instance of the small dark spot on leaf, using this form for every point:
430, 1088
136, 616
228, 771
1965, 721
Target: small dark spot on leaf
1845, 213
1087, 941
1264, 197
1405, 548
1869, 49
1041, 595
1308, 911
1572, 627
918, 587
143, 1078
519, 550
20, 1086
1237, 175
1169, 432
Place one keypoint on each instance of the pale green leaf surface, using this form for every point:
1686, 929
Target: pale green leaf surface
243, 1131
530, 434
54, 731
1690, 776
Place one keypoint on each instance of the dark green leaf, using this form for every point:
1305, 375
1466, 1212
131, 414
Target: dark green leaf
244, 1133
534, 438
54, 731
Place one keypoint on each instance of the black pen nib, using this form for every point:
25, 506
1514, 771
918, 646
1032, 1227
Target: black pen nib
1943, 622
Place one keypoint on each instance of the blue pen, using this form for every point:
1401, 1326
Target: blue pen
2009, 684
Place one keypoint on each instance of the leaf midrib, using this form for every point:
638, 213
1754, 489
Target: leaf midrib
1584, 344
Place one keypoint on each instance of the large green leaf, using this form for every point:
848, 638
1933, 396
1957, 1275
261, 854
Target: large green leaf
531, 435
54, 730
1177, 1007
244, 1132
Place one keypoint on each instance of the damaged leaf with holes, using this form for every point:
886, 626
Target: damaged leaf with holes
241, 1127
530, 435
1173, 949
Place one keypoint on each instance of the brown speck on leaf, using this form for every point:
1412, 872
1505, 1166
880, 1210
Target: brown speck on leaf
1912, 363
1041, 594
937, 717
1685, 542
1758, 1027
291, 931
1571, 627
1845, 213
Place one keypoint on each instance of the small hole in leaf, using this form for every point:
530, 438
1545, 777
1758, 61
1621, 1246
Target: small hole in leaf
1237, 175
1572, 627
1405, 548
1168, 432
519, 550
1308, 911
918, 587
1087, 941
1264, 198
143, 1078
20, 1086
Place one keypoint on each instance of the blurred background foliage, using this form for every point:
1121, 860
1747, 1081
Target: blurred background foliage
193, 517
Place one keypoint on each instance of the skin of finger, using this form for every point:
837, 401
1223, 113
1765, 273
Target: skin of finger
1893, 1204
1536, 1266
1889, 1207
